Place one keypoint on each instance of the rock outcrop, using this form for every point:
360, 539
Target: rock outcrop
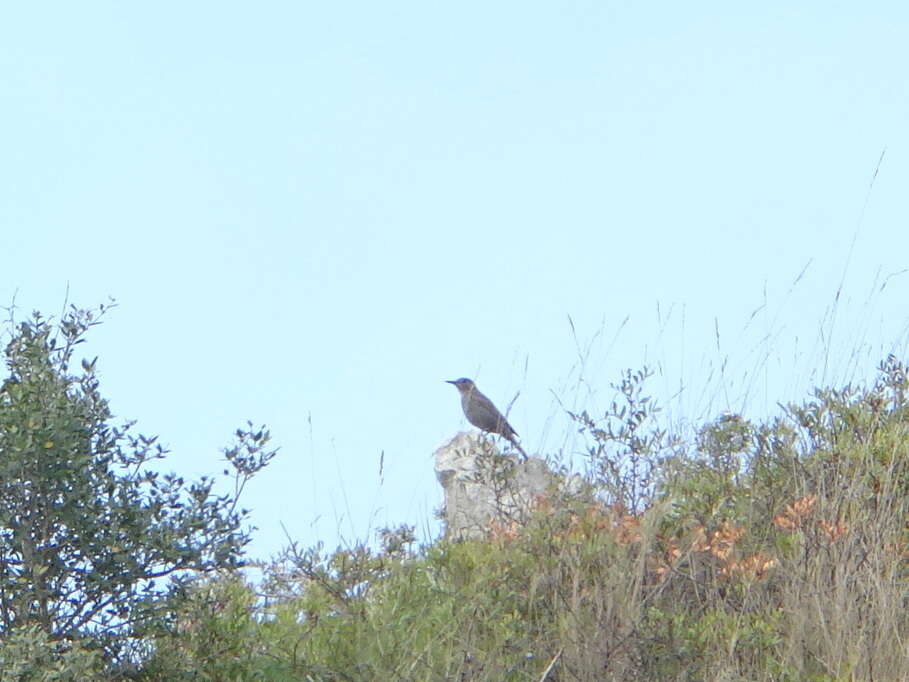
482, 487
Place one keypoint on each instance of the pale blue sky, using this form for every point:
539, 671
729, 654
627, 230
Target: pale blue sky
320, 211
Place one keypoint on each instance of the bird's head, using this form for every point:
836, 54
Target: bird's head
462, 384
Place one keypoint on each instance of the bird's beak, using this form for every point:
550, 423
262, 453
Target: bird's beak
450, 382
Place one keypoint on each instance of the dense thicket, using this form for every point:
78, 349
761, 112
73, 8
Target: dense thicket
748, 551
772, 551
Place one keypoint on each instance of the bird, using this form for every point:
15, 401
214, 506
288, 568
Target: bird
480, 412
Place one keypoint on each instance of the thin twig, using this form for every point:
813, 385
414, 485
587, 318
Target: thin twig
555, 659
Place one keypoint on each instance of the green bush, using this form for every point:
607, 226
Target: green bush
29, 653
94, 543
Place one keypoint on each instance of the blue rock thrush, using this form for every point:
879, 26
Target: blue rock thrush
480, 412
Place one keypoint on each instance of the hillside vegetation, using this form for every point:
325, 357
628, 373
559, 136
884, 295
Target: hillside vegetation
749, 551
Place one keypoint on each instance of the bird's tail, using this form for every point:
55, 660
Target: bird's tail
518, 447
